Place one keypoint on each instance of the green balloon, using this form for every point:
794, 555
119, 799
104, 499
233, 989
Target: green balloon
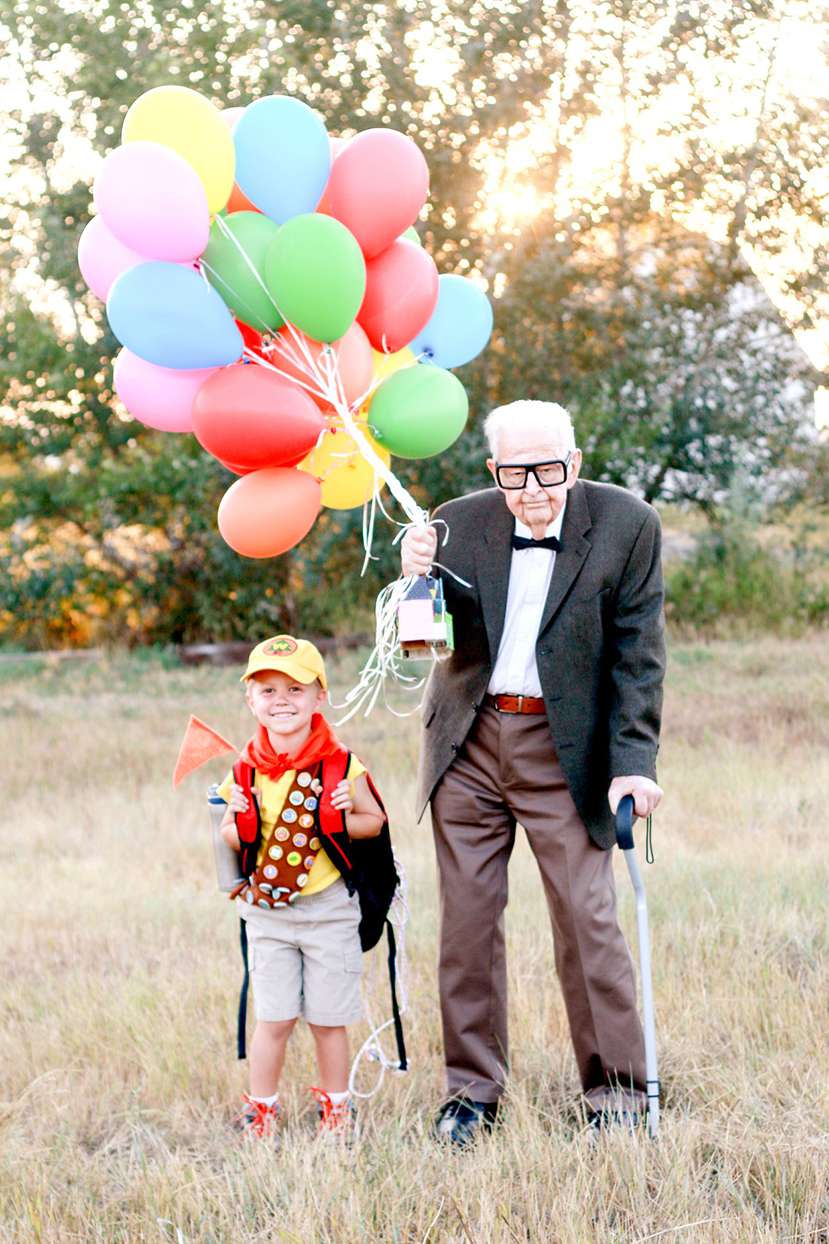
419, 411
233, 264
315, 270
412, 235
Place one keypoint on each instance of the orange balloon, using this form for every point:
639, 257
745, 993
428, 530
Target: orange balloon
267, 512
355, 362
337, 145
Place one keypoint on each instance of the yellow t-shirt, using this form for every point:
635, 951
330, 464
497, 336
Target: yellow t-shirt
272, 796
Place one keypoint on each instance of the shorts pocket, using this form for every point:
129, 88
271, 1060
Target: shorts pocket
353, 959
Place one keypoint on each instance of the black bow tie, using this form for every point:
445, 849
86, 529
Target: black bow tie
549, 542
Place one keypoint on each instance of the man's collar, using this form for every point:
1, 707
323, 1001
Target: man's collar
553, 528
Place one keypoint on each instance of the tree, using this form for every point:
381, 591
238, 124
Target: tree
605, 297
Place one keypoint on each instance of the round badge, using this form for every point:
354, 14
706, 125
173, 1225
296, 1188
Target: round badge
308, 862
301, 879
300, 840
265, 888
314, 844
289, 816
281, 834
269, 871
311, 803
306, 820
296, 797
276, 854
249, 896
263, 902
304, 779
293, 897
294, 858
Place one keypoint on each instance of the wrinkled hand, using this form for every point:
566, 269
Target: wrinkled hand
646, 794
417, 550
341, 797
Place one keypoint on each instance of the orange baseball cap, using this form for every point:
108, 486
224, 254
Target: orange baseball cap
297, 658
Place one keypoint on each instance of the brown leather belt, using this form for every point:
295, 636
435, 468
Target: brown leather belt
515, 703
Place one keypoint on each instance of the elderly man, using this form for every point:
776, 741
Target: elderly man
546, 714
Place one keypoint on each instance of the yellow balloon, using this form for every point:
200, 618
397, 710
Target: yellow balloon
386, 365
182, 119
346, 479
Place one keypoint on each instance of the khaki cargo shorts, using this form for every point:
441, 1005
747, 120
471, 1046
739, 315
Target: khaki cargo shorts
305, 960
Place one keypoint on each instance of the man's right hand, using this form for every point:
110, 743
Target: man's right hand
417, 550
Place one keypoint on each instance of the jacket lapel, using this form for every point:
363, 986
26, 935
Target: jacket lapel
494, 556
571, 559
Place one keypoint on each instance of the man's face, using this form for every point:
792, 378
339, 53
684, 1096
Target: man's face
533, 504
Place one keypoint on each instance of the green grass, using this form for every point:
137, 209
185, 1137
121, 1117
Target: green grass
117, 1068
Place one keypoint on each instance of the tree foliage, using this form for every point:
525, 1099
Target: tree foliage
626, 294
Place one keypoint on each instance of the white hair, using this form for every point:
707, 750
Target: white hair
548, 418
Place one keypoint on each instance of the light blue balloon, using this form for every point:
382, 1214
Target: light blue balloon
283, 156
460, 326
167, 314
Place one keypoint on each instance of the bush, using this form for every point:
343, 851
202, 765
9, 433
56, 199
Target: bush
733, 583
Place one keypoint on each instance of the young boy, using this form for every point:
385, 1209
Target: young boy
302, 924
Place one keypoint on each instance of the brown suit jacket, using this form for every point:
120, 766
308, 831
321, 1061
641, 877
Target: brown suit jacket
600, 647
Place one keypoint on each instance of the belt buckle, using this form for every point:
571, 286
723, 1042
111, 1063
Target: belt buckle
520, 704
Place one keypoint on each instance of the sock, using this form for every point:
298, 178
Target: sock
265, 1101
338, 1098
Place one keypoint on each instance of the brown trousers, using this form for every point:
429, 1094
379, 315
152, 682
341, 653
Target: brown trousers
508, 771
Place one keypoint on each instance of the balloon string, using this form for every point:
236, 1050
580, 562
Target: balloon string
218, 279
228, 233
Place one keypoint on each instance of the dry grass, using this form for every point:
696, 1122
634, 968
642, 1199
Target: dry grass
118, 1070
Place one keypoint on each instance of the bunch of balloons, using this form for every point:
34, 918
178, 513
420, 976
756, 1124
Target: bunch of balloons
271, 296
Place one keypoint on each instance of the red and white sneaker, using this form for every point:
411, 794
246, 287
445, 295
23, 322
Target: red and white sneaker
335, 1118
257, 1119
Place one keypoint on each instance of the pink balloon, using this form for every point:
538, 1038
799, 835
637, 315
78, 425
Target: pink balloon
160, 397
377, 187
153, 201
401, 294
102, 258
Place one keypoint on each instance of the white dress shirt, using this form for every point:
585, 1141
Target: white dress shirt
515, 671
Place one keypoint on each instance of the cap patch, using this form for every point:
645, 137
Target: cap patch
283, 645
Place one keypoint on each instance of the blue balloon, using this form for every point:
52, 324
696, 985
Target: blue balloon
167, 314
460, 326
283, 156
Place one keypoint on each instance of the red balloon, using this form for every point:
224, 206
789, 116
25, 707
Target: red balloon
248, 418
267, 512
251, 338
354, 362
401, 294
377, 187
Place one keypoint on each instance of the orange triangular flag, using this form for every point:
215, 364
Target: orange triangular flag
200, 744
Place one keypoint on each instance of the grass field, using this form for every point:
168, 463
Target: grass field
121, 970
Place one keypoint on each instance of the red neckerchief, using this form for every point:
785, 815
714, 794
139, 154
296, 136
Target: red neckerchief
320, 744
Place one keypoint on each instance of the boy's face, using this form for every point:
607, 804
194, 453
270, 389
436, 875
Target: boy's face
280, 703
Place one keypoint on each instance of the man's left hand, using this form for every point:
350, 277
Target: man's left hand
646, 794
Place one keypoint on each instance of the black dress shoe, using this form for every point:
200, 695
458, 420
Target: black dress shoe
460, 1121
607, 1120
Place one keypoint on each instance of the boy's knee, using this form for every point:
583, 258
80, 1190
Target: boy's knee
321, 1031
277, 1029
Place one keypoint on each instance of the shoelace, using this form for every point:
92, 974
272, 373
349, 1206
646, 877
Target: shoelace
333, 1115
258, 1117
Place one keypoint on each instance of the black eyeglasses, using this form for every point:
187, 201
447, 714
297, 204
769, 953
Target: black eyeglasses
513, 475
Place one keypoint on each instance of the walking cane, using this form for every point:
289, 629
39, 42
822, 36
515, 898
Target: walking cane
624, 841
